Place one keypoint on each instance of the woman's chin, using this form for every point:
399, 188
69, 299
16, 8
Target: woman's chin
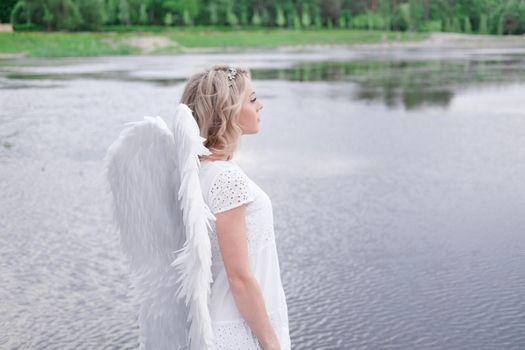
251, 131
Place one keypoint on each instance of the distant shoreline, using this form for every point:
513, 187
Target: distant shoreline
32, 44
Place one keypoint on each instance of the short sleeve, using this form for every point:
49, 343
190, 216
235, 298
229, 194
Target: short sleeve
229, 190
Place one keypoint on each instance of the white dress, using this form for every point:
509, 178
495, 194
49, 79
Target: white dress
226, 186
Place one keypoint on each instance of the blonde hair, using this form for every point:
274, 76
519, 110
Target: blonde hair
216, 103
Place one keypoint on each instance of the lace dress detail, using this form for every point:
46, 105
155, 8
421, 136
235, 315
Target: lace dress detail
237, 335
226, 186
230, 190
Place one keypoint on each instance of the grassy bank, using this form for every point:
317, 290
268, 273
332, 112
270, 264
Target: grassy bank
276, 38
59, 44
36, 44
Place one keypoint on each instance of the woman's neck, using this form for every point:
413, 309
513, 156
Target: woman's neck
214, 158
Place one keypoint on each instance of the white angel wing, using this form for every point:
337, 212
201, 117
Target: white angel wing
159, 209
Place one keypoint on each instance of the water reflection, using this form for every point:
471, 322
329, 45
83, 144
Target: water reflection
412, 84
123, 75
408, 83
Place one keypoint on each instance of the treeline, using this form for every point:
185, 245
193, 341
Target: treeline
467, 16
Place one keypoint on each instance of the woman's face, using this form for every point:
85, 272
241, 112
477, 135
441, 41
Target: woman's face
249, 116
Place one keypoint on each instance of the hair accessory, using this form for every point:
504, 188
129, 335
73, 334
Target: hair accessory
232, 73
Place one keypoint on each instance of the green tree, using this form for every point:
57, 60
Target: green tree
305, 17
330, 9
500, 30
480, 16
168, 19
342, 21
20, 16
243, 17
384, 9
456, 27
401, 17
134, 11
6, 7
370, 20
53, 14
296, 21
266, 18
156, 11
91, 13
231, 18
111, 11
179, 7
447, 25
318, 21
256, 19
47, 18
143, 14
67, 15
213, 13
467, 27
416, 15
280, 21
513, 17
123, 12
186, 18
483, 24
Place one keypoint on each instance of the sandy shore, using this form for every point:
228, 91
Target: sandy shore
6, 27
434, 41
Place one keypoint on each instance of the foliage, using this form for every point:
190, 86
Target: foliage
469, 16
305, 18
20, 16
256, 19
280, 21
6, 7
431, 26
143, 15
168, 19
483, 24
123, 12
467, 27
58, 15
92, 13
368, 21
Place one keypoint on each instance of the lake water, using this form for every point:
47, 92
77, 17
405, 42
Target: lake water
397, 181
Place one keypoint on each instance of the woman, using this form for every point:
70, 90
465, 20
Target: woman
247, 302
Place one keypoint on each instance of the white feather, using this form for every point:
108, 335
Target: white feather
163, 220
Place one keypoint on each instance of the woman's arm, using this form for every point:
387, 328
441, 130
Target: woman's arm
231, 233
